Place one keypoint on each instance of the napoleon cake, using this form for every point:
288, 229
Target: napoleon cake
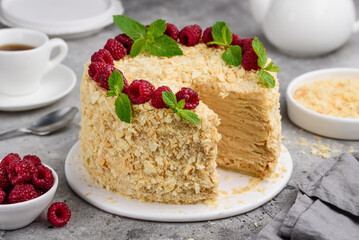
161, 108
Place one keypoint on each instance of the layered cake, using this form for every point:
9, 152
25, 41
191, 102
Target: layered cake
168, 152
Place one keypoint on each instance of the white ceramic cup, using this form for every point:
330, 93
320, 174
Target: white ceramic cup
21, 71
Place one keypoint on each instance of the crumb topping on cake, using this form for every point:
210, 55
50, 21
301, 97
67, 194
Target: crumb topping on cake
197, 64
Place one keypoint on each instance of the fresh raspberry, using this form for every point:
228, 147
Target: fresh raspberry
20, 172
58, 214
191, 98
103, 76
245, 44
22, 193
250, 60
2, 196
103, 56
4, 181
43, 178
126, 41
35, 160
39, 192
140, 91
95, 68
235, 39
116, 49
157, 100
190, 35
249, 56
172, 31
208, 37
10, 158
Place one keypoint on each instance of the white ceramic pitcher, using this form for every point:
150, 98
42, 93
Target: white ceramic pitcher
306, 27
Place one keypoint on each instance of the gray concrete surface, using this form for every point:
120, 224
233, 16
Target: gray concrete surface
88, 222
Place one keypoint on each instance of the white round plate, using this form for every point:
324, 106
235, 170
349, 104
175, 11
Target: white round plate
62, 18
55, 85
238, 194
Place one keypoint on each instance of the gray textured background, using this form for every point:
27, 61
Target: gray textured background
92, 223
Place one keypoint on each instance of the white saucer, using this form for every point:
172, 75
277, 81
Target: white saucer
55, 85
60, 18
228, 204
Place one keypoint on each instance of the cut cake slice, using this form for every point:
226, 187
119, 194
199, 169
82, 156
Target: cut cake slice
158, 157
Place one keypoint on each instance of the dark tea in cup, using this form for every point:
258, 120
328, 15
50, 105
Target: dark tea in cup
15, 47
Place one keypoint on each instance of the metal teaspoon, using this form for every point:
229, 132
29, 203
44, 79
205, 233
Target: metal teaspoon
45, 125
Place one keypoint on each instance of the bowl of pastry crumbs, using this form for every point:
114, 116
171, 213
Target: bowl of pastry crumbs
326, 102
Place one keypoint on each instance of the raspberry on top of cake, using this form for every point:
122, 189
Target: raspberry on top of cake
150, 99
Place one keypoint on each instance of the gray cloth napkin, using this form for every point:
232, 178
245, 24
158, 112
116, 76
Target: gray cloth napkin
326, 207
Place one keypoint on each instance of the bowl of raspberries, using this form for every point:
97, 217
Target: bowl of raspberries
27, 187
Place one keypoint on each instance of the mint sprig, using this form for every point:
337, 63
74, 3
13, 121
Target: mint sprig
122, 103
222, 36
264, 74
151, 39
170, 99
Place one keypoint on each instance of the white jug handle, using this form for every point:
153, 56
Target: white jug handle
57, 43
356, 27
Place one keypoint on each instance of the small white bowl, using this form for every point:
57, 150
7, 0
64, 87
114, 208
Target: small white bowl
18, 215
325, 125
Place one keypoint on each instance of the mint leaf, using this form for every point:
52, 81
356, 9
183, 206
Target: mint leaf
227, 35
111, 94
115, 83
269, 66
170, 99
122, 103
218, 43
130, 27
266, 78
189, 116
123, 108
157, 28
272, 68
164, 46
233, 55
260, 51
217, 32
221, 34
138, 46
181, 104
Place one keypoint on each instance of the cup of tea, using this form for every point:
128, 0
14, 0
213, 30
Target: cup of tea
25, 57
